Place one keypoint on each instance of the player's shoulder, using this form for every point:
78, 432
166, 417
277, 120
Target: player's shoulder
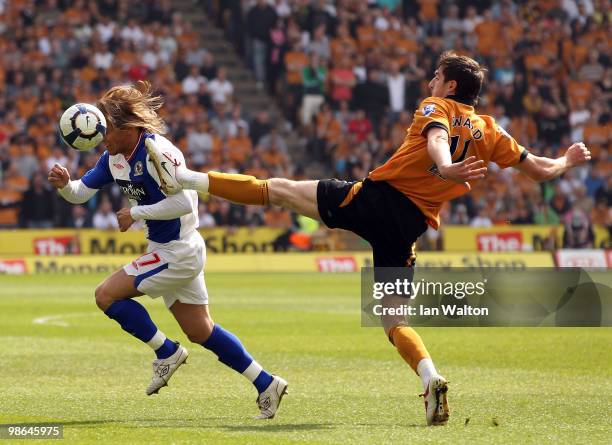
492, 125
493, 131
104, 159
432, 104
488, 120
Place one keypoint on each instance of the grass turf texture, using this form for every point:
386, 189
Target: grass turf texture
347, 384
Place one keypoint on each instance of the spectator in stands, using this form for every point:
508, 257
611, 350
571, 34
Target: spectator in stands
260, 20
460, 215
295, 61
27, 163
227, 214
80, 218
205, 218
208, 68
320, 13
199, 143
482, 218
104, 218
544, 214
221, 121
273, 138
396, 87
578, 232
220, 88
602, 213
314, 77
192, 83
372, 96
592, 70
37, 208
360, 125
320, 44
278, 47
260, 126
342, 81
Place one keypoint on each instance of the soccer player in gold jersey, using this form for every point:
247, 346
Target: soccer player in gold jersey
445, 151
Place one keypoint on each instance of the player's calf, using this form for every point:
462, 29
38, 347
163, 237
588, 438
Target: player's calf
230, 351
412, 349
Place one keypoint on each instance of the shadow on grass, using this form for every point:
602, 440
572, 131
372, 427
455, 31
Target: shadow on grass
407, 425
271, 428
197, 423
138, 423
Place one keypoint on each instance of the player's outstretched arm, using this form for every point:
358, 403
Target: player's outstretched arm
74, 192
172, 207
540, 168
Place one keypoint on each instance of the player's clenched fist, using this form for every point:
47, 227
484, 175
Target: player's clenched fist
577, 154
124, 217
59, 176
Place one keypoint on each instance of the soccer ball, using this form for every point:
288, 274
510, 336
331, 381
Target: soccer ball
82, 127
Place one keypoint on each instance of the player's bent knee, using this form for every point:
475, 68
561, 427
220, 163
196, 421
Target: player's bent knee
201, 332
103, 298
197, 337
390, 326
201, 335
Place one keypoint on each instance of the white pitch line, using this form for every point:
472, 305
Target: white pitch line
58, 320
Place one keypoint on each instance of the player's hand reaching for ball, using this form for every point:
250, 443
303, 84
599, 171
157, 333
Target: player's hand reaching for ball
124, 217
59, 176
467, 170
577, 154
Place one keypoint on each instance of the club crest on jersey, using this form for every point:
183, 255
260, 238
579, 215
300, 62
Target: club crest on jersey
138, 169
428, 109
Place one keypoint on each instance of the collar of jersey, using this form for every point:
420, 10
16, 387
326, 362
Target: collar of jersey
461, 99
140, 138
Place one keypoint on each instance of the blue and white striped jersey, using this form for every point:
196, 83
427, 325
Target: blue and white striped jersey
138, 180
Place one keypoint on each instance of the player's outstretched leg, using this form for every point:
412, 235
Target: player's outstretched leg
113, 296
297, 196
196, 322
412, 349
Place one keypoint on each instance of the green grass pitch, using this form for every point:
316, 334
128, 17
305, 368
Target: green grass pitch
346, 383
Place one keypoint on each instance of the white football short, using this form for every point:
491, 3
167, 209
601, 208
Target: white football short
173, 270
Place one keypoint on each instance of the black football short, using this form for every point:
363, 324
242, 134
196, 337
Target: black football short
378, 213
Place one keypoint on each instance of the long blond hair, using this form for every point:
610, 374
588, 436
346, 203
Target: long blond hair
133, 106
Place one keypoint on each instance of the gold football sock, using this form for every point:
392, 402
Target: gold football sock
242, 189
409, 345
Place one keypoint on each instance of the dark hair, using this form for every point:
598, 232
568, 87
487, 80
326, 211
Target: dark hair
468, 74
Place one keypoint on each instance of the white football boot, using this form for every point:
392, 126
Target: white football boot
163, 368
269, 400
437, 411
165, 166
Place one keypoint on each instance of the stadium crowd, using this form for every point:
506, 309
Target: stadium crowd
349, 75
55, 53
